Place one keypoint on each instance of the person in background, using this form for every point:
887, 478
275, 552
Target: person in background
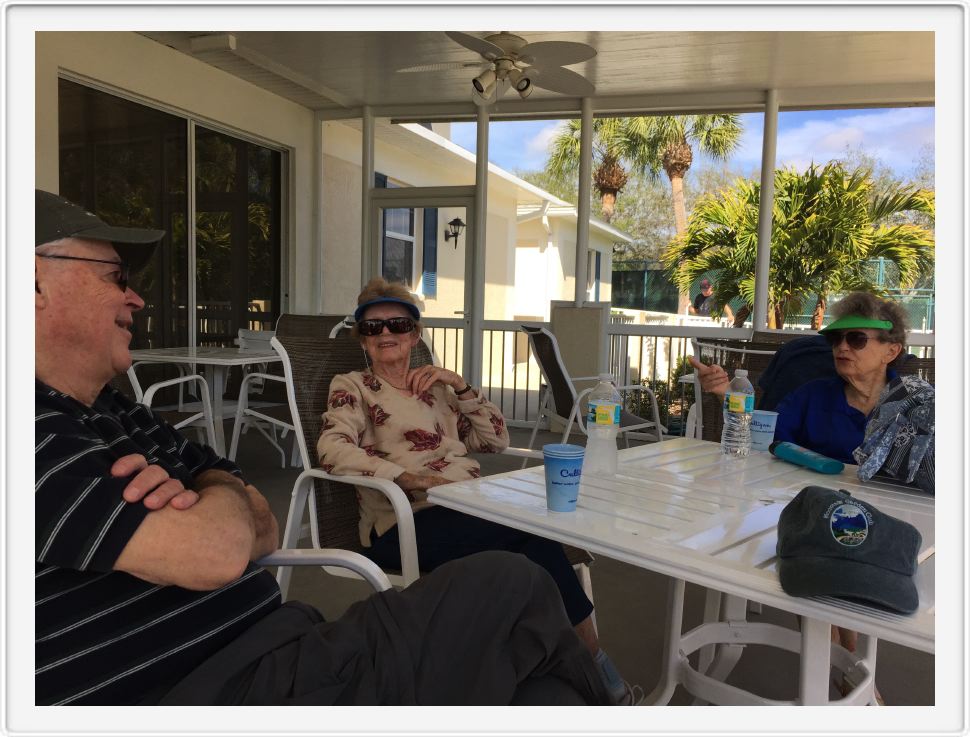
416, 427
147, 583
703, 302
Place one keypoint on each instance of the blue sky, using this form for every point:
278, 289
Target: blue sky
894, 136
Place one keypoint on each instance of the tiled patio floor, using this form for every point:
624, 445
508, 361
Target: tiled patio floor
630, 606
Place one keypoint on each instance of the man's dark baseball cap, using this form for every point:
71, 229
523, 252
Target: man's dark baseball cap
705, 284
832, 544
56, 218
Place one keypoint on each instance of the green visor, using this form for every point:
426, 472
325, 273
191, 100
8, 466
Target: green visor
857, 321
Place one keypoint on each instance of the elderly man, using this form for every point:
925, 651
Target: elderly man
146, 586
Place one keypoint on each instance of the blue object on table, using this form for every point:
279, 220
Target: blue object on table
804, 457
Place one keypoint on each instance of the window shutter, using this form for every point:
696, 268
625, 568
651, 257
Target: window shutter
596, 283
429, 259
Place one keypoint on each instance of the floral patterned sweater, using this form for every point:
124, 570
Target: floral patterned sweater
372, 429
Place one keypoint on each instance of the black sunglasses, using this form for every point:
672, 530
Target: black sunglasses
394, 324
120, 276
856, 339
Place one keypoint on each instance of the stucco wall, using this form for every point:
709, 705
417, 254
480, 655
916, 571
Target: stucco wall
133, 65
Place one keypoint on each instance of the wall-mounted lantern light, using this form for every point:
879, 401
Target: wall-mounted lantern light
454, 230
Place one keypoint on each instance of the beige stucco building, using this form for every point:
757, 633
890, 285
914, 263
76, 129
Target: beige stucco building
530, 235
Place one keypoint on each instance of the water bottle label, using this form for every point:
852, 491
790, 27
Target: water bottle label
739, 402
603, 413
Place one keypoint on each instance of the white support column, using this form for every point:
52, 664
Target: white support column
759, 320
582, 209
475, 258
318, 214
369, 251
192, 308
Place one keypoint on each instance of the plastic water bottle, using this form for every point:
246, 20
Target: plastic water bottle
738, 406
602, 425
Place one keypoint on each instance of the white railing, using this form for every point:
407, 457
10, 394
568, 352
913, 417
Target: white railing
656, 353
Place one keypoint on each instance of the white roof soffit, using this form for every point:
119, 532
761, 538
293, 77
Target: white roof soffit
337, 73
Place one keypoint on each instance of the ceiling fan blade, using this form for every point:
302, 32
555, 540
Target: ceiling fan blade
479, 45
440, 67
560, 80
556, 53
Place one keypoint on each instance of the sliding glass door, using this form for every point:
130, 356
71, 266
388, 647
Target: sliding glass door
129, 163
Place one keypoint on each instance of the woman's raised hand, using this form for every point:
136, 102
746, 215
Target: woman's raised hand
424, 377
714, 379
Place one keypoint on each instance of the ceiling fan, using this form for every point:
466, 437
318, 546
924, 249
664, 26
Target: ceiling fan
512, 62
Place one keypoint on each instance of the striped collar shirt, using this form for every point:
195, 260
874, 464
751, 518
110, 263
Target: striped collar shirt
105, 636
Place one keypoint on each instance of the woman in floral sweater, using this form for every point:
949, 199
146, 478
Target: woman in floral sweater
416, 427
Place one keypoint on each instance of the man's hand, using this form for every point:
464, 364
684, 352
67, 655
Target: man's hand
152, 485
714, 379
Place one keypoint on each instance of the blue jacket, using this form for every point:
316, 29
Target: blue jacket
818, 417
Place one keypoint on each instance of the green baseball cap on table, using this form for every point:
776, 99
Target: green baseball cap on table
857, 321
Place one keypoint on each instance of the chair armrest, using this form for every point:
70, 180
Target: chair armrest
363, 567
399, 502
523, 453
271, 377
150, 394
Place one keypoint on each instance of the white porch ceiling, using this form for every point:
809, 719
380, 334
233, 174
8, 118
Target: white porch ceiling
337, 73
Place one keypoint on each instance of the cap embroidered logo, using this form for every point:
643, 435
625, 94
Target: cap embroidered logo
849, 525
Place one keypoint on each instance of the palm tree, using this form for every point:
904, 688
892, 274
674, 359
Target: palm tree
645, 145
827, 223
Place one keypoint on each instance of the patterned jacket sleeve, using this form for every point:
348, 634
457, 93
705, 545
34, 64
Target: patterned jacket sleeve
344, 424
481, 426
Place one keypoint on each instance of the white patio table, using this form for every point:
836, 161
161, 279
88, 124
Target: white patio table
682, 509
215, 362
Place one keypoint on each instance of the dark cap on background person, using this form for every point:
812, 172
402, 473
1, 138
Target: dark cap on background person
56, 218
832, 544
705, 284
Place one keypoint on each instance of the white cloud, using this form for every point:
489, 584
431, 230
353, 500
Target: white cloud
539, 143
894, 136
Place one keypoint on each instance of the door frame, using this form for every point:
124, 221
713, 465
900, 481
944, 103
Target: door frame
440, 197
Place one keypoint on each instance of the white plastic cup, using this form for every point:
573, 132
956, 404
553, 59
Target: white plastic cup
563, 467
763, 423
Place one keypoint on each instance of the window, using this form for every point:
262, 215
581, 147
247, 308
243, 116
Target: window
237, 236
127, 163
397, 240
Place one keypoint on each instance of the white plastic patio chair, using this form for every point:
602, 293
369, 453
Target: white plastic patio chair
179, 418
266, 419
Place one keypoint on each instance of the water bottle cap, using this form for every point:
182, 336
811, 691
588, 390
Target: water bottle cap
606, 377
740, 372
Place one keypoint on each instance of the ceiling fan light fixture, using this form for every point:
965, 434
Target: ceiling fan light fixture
484, 83
520, 82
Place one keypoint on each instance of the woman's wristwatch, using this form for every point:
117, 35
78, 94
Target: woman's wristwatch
467, 388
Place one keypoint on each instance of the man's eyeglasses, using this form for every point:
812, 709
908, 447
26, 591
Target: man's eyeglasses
397, 325
856, 339
120, 276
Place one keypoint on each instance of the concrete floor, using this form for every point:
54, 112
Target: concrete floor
630, 605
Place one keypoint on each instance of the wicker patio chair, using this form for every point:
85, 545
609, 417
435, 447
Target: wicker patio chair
730, 355
310, 363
